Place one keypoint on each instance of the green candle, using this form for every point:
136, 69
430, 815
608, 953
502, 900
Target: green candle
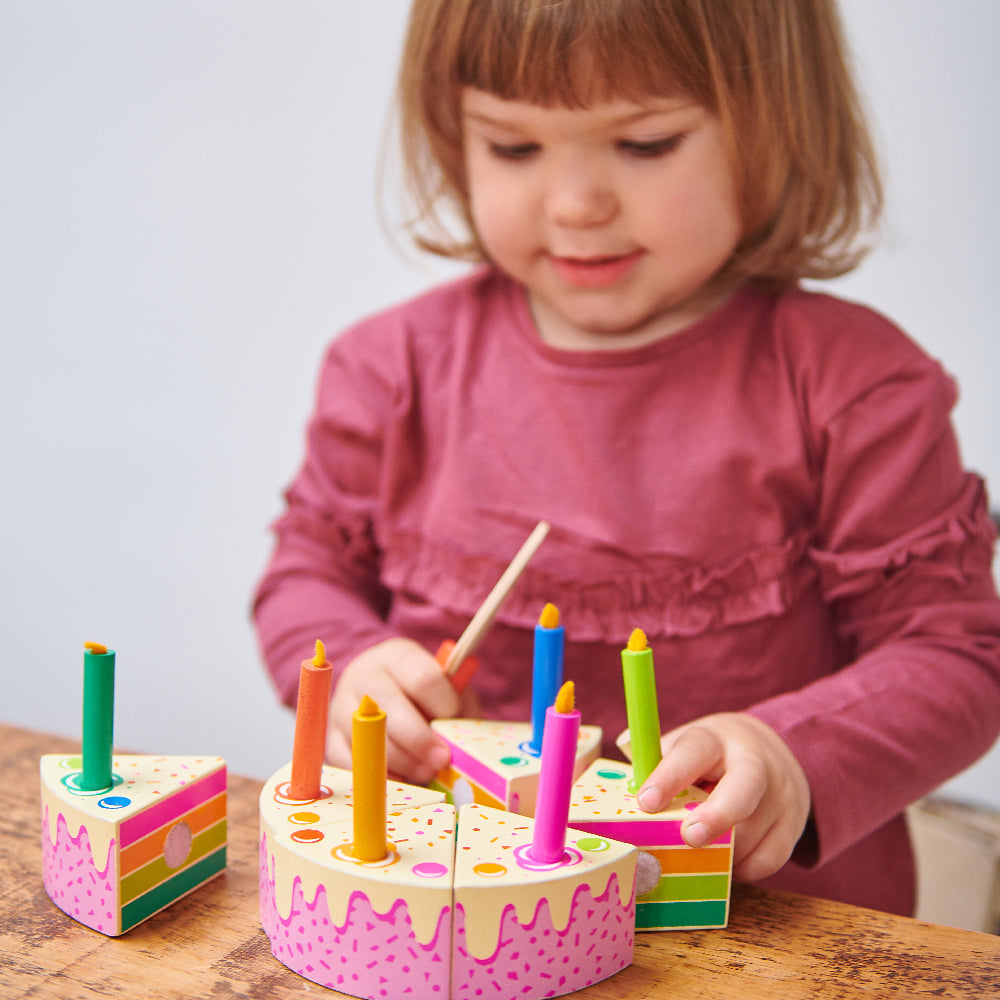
98, 716
641, 707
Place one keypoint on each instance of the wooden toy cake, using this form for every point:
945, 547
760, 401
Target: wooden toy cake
372, 888
454, 910
125, 836
386, 890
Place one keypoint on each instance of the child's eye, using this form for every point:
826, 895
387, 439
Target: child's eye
513, 151
651, 148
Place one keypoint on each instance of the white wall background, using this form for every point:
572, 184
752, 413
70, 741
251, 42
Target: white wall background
187, 215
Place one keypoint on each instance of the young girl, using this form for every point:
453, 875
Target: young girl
763, 479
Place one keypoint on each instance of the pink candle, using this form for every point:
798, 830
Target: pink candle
555, 779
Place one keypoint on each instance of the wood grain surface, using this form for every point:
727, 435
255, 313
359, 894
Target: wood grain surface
210, 944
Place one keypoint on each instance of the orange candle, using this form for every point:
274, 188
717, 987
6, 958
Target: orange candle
311, 713
368, 753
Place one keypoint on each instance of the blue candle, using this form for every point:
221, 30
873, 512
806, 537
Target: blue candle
547, 672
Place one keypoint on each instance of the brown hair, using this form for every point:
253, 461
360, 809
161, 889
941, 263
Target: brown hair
774, 71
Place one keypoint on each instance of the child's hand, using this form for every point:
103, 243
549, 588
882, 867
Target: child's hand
408, 685
761, 788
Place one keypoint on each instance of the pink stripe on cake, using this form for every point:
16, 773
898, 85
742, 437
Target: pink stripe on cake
187, 798
488, 780
665, 834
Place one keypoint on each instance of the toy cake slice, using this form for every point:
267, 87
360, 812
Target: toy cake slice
490, 763
692, 885
532, 930
114, 857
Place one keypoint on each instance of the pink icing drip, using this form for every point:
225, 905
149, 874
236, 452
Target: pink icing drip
535, 960
371, 955
73, 881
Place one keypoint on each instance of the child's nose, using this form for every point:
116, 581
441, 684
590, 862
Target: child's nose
581, 196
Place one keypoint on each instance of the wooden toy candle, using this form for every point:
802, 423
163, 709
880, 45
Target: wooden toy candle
311, 713
547, 672
368, 754
641, 707
98, 716
555, 781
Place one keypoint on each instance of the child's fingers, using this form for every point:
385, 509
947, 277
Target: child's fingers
735, 798
760, 849
420, 677
695, 753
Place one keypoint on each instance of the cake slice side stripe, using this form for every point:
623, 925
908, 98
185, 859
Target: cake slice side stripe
184, 882
688, 888
654, 833
194, 794
141, 852
158, 872
686, 860
681, 915
475, 771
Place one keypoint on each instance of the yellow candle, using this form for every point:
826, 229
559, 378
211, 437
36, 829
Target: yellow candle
368, 751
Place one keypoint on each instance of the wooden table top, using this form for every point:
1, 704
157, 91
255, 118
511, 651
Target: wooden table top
210, 944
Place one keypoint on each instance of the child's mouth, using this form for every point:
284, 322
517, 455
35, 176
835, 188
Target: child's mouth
595, 272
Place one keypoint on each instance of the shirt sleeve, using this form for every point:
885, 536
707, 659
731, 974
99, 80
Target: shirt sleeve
322, 581
903, 554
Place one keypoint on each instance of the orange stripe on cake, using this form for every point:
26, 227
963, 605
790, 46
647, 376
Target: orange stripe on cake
151, 846
692, 860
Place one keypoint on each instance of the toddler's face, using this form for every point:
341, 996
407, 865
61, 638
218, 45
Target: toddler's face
616, 217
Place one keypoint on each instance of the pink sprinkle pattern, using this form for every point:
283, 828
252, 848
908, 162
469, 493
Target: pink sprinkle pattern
371, 955
535, 960
74, 882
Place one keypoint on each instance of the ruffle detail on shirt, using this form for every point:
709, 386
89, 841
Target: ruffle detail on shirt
956, 546
661, 595
344, 529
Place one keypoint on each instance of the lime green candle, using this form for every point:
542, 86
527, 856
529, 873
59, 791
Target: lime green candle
641, 707
98, 716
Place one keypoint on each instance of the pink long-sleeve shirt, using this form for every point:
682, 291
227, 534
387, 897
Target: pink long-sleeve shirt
774, 495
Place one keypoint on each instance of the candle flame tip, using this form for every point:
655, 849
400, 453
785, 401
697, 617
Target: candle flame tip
566, 698
320, 658
368, 708
96, 648
549, 617
637, 641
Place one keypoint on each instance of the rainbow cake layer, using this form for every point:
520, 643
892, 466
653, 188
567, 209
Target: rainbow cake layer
692, 887
113, 858
456, 910
491, 765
